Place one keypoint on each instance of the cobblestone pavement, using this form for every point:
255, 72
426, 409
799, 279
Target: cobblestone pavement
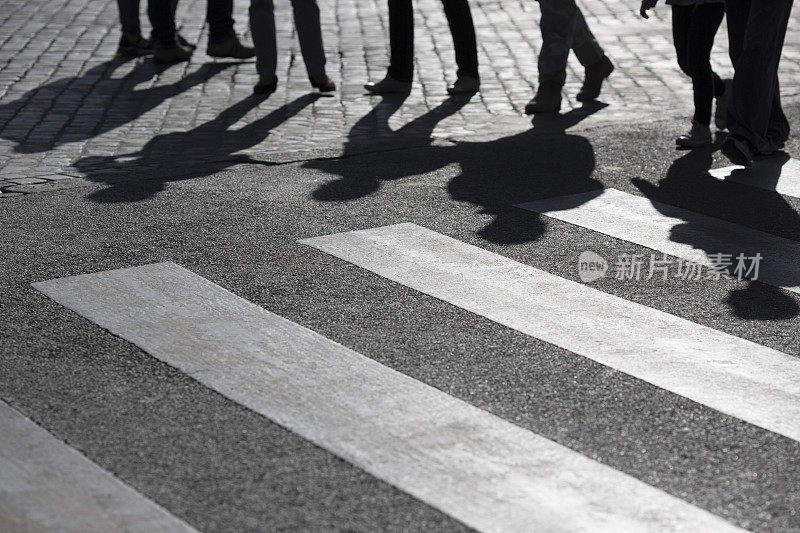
68, 108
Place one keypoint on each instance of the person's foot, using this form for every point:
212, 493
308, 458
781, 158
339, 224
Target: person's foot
388, 85
464, 85
593, 81
184, 42
698, 136
173, 54
266, 86
134, 46
738, 151
323, 83
230, 47
547, 99
721, 111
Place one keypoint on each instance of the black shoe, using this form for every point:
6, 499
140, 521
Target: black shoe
266, 87
323, 83
738, 151
547, 99
593, 82
184, 42
173, 54
134, 46
230, 47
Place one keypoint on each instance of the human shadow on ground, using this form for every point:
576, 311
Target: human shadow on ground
494, 175
202, 151
689, 186
77, 108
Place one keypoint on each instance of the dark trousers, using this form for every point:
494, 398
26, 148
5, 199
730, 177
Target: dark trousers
401, 38
756, 31
563, 29
693, 31
129, 17
219, 15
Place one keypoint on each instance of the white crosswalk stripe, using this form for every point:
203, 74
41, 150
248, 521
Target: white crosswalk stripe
47, 486
675, 231
752, 382
480, 469
772, 174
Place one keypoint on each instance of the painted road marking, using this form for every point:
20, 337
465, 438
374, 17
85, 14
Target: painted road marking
730, 374
480, 469
772, 173
675, 231
46, 485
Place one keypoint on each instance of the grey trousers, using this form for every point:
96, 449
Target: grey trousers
563, 29
306, 20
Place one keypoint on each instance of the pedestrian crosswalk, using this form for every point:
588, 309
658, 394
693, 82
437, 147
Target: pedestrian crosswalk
47, 486
484, 471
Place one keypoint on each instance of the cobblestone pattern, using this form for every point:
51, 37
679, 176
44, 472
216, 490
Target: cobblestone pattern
69, 108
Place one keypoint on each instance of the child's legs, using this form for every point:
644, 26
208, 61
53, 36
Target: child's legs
705, 22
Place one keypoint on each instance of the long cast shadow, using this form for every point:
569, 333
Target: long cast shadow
77, 108
495, 175
205, 150
689, 185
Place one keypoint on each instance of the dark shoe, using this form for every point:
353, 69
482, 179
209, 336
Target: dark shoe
323, 83
230, 47
184, 42
266, 86
465, 85
389, 85
134, 46
547, 99
721, 111
593, 82
738, 151
173, 54
698, 136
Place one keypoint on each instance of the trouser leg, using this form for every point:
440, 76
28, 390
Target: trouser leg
129, 16
557, 25
586, 48
306, 20
757, 32
681, 21
219, 15
459, 18
705, 21
162, 17
262, 29
401, 40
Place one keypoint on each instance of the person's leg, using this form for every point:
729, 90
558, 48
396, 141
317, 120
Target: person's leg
262, 28
557, 25
401, 40
681, 21
459, 18
703, 26
162, 18
755, 108
129, 17
219, 15
587, 50
306, 20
